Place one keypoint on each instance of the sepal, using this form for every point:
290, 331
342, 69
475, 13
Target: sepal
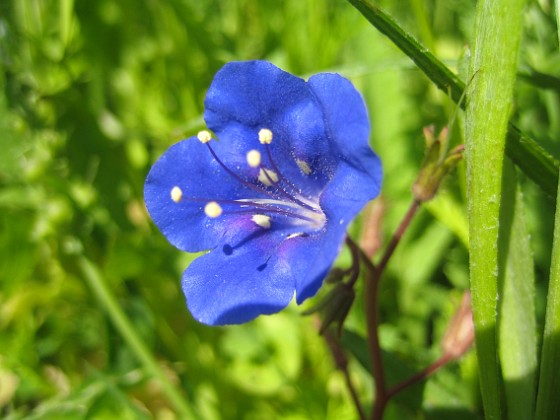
438, 162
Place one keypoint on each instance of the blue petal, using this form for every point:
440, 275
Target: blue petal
190, 166
343, 198
359, 173
256, 271
240, 280
311, 257
252, 93
256, 94
356, 179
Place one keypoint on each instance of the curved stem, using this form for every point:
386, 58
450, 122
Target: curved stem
357, 253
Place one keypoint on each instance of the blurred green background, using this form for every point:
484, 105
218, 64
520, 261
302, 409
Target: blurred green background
92, 92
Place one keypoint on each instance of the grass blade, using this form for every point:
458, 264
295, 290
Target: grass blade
548, 403
517, 323
124, 326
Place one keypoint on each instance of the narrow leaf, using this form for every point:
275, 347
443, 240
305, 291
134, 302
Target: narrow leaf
122, 323
548, 403
517, 324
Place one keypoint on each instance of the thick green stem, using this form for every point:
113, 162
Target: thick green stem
493, 67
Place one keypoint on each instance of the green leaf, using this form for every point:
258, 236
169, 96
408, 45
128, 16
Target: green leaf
548, 403
493, 66
531, 158
517, 324
540, 80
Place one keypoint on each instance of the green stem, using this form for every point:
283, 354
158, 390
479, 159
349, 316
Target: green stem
493, 66
124, 326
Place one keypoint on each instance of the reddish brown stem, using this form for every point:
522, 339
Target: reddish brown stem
357, 253
372, 281
420, 376
376, 360
414, 206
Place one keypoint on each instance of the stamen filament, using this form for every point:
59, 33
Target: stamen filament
285, 181
276, 211
285, 199
258, 188
258, 205
267, 177
233, 174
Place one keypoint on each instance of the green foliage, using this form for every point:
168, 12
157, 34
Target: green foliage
493, 70
547, 403
92, 319
517, 339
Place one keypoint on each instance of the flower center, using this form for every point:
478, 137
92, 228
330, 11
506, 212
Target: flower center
279, 202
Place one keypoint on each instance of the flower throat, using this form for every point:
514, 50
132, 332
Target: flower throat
284, 203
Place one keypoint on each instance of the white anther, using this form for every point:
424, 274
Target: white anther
265, 136
176, 194
261, 220
268, 177
303, 166
212, 209
254, 158
204, 136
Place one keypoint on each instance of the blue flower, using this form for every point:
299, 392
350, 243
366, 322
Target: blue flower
272, 196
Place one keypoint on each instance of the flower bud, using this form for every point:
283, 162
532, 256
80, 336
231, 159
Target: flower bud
438, 162
460, 331
336, 275
334, 307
